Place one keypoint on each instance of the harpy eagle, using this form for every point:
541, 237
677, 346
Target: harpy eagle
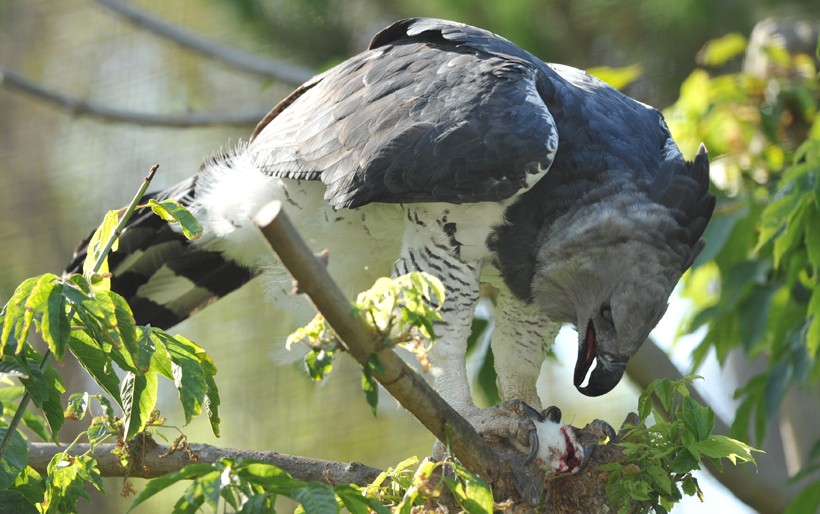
447, 149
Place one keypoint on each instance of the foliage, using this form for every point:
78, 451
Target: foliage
757, 286
250, 486
661, 457
79, 314
401, 310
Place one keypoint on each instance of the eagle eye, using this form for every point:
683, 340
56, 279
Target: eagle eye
606, 312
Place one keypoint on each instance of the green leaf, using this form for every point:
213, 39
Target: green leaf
15, 459
45, 388
98, 313
684, 462
319, 363
97, 244
16, 502
77, 406
67, 481
36, 424
160, 359
98, 430
204, 489
171, 210
139, 396
160, 483
189, 380
188, 363
356, 502
778, 380
145, 347
792, 233
12, 368
268, 476
718, 52
720, 446
316, 498
660, 478
125, 324
212, 403
698, 419
806, 501
15, 327
31, 485
55, 325
619, 78
97, 363
478, 498
370, 388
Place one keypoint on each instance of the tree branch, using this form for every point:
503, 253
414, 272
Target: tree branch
152, 464
238, 59
754, 486
397, 377
77, 107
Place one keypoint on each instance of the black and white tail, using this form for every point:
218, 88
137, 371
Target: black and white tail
164, 277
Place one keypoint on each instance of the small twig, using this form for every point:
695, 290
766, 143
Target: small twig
248, 62
77, 107
154, 464
400, 380
129, 211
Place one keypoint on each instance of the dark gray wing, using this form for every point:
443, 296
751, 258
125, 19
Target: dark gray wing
433, 111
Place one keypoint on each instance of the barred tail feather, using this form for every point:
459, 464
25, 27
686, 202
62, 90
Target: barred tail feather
163, 276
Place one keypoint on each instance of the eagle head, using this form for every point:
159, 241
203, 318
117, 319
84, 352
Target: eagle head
613, 324
610, 267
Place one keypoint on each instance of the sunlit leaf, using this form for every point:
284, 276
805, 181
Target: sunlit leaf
718, 52
96, 362
619, 78
156, 485
77, 406
139, 396
16, 321
15, 459
370, 388
171, 210
96, 245
316, 498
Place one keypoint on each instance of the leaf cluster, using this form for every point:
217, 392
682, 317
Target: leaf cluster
661, 457
251, 487
79, 314
401, 310
756, 286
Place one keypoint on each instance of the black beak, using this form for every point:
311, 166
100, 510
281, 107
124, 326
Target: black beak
608, 369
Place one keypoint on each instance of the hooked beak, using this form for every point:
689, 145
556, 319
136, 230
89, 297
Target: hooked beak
596, 373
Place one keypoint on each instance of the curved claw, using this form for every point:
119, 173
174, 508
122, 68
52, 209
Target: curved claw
533, 447
552, 413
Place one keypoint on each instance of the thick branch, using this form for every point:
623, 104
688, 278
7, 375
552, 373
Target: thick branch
78, 107
397, 377
751, 485
269, 68
152, 463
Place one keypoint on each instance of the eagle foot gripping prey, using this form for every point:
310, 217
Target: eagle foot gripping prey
539, 436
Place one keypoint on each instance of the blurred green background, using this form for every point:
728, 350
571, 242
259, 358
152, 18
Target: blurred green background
59, 173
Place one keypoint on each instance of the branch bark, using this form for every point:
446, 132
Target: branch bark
78, 107
233, 57
152, 464
361, 342
754, 486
